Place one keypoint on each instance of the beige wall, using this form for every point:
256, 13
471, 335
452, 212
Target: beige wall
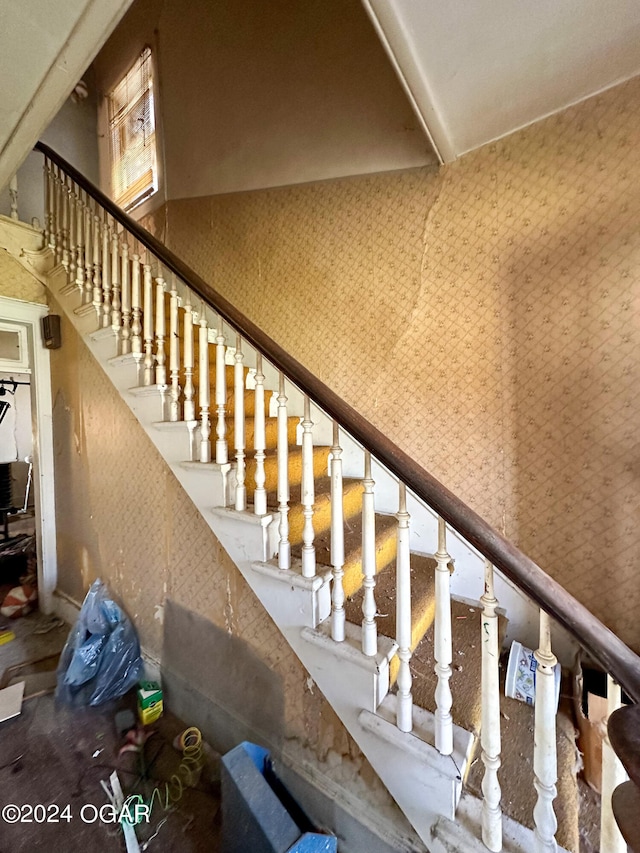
484, 315
253, 94
123, 516
17, 283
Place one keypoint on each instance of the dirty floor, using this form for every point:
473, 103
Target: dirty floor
52, 761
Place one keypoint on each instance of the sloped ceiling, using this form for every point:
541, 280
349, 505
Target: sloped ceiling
477, 70
45, 46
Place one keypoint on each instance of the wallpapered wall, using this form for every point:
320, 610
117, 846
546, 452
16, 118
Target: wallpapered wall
17, 283
485, 315
122, 515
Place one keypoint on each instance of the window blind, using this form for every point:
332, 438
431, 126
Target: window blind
133, 135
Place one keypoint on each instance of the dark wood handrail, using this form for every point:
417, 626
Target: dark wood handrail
602, 644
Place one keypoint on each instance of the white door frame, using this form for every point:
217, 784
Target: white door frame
29, 315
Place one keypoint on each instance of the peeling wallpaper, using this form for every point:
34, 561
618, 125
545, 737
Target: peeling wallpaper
485, 315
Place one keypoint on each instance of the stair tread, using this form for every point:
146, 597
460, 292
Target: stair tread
626, 808
624, 734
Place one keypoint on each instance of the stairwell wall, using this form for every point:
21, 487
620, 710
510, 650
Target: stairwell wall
123, 516
484, 315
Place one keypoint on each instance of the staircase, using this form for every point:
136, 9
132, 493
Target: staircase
355, 552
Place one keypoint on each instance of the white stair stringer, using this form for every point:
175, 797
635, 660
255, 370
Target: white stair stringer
425, 786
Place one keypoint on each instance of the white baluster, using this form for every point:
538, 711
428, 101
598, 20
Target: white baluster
96, 243
403, 614
64, 202
284, 546
369, 627
203, 389
222, 453
13, 196
308, 494
73, 207
337, 539
88, 250
544, 748
442, 651
106, 275
136, 311
174, 354
239, 426
147, 322
189, 403
490, 737
57, 211
48, 200
161, 359
116, 304
613, 774
259, 442
80, 225
125, 298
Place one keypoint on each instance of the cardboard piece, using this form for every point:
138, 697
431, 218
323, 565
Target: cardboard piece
11, 701
592, 729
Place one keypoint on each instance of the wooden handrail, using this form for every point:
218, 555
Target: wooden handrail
600, 642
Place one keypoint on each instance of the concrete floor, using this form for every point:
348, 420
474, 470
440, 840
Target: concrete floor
56, 756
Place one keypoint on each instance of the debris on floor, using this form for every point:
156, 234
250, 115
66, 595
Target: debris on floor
11, 701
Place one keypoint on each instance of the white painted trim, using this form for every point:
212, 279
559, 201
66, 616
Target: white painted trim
388, 25
29, 314
92, 29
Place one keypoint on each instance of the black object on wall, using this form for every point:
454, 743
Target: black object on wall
51, 336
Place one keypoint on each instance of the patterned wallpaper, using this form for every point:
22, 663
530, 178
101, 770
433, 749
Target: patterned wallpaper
122, 515
17, 283
485, 315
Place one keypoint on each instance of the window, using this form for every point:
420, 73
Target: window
132, 135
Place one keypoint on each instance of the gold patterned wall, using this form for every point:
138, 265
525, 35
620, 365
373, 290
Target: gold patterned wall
486, 316
123, 516
17, 283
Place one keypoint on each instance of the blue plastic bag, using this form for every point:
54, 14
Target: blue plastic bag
101, 658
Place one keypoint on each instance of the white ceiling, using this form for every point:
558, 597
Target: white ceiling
45, 46
477, 70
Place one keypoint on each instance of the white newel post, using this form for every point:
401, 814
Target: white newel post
222, 452
284, 547
105, 320
174, 354
308, 494
203, 388
443, 645
239, 427
13, 197
337, 539
147, 323
490, 737
544, 749
259, 442
125, 298
189, 410
403, 614
96, 244
136, 311
161, 359
613, 774
369, 626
